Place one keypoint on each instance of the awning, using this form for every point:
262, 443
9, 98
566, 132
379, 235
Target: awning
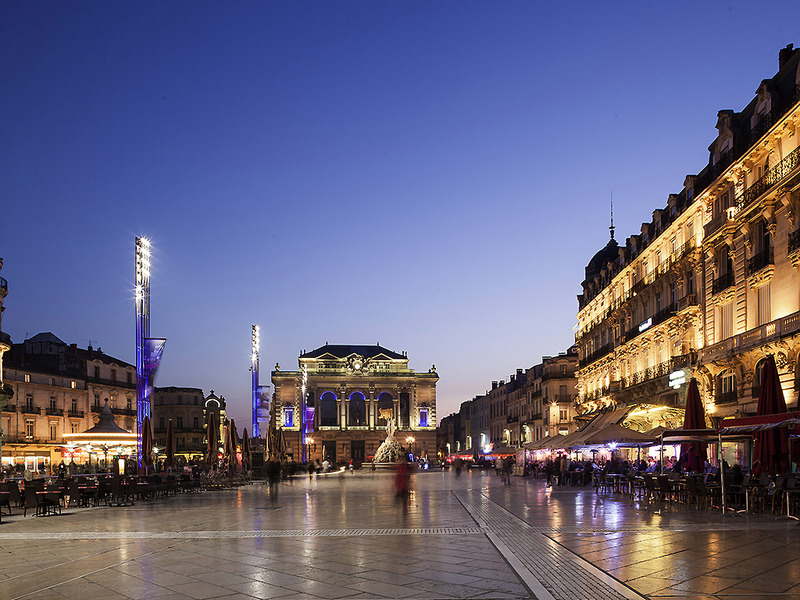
619, 435
552, 441
759, 423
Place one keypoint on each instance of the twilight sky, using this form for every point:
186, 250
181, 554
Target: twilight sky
432, 176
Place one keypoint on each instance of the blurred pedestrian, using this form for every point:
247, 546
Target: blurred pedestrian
273, 472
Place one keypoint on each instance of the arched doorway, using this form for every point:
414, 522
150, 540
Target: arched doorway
385, 401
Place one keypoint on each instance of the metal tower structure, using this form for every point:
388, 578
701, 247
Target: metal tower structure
142, 296
255, 347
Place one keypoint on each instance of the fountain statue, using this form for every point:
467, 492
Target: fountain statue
390, 450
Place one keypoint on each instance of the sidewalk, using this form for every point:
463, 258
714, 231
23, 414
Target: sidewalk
347, 537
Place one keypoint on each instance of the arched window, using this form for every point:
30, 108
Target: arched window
726, 388
385, 401
358, 410
328, 416
758, 373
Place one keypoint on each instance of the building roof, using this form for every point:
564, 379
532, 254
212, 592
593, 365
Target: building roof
345, 350
106, 423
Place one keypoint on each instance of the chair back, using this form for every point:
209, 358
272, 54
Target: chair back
31, 499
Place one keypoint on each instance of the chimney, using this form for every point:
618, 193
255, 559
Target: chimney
494, 385
785, 55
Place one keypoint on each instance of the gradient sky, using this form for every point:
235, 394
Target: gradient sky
433, 176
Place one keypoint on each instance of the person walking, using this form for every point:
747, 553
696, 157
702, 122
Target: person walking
273, 472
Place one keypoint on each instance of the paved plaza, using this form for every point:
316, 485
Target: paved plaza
345, 536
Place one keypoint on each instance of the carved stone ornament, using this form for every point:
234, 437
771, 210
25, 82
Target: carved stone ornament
761, 277
724, 297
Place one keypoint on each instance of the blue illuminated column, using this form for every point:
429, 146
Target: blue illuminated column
255, 345
142, 299
303, 427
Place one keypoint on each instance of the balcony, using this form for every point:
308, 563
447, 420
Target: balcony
726, 398
772, 177
760, 260
656, 319
76, 414
599, 353
30, 409
10, 408
56, 412
759, 336
688, 301
512, 420
681, 361
723, 282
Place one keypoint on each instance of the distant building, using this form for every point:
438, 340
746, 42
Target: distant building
185, 407
6, 394
350, 392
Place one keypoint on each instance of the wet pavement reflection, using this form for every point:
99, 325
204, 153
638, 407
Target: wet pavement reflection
348, 536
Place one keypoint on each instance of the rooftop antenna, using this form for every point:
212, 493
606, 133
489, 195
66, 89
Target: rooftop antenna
611, 229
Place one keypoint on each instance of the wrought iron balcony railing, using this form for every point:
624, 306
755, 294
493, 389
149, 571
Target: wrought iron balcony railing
723, 282
726, 397
760, 260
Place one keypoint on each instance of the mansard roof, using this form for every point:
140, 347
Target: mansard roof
344, 350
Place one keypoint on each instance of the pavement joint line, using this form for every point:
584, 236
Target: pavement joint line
218, 534
529, 579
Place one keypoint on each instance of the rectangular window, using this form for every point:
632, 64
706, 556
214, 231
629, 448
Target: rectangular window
562, 414
764, 304
27, 377
423, 417
130, 377
29, 429
29, 401
725, 321
288, 416
161, 422
74, 405
74, 427
129, 403
73, 385
114, 375
53, 432
196, 423
52, 403
97, 372
179, 422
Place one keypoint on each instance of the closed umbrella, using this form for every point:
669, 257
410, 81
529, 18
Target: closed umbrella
245, 450
694, 454
147, 443
771, 445
212, 450
231, 443
169, 449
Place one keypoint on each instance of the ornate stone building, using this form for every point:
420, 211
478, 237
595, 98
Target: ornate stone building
710, 285
350, 390
751, 252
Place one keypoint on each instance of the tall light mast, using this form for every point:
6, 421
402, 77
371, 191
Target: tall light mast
255, 347
142, 333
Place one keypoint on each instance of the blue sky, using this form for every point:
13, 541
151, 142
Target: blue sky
433, 176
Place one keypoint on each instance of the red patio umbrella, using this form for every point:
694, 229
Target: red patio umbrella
169, 449
212, 449
231, 445
694, 454
771, 445
147, 443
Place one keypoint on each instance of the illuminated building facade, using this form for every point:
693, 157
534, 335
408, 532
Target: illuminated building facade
336, 404
710, 285
549, 400
751, 252
59, 388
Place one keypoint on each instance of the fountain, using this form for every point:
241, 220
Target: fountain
389, 453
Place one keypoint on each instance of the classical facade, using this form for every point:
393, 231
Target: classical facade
751, 252
59, 388
709, 286
350, 391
